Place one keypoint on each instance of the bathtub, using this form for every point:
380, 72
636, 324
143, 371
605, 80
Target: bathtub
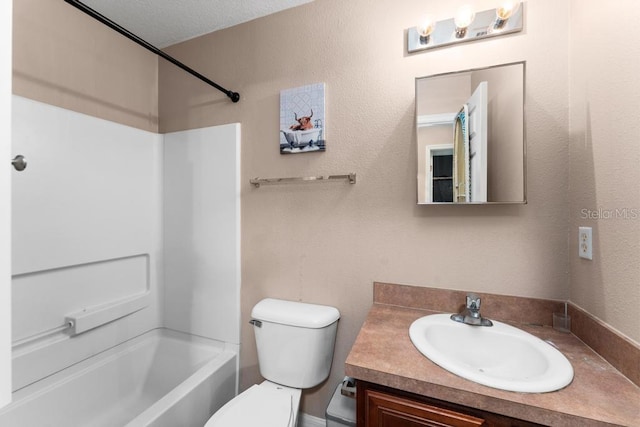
162, 379
300, 138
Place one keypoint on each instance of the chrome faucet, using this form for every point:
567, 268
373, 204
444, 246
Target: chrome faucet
471, 314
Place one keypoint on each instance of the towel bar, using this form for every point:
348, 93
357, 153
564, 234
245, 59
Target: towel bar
257, 182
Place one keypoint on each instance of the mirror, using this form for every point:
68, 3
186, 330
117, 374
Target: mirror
470, 136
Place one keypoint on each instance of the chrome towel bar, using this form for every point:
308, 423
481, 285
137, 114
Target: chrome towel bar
257, 182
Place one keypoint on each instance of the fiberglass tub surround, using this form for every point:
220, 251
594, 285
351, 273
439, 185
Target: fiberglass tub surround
83, 306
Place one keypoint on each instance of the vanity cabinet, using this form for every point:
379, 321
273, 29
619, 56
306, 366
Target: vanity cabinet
379, 406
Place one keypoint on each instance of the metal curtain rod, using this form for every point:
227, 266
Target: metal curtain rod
234, 96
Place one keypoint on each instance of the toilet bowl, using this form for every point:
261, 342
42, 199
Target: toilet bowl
264, 405
295, 343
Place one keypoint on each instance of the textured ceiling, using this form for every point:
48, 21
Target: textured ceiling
166, 22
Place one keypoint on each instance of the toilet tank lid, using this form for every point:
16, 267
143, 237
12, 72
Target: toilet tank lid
294, 313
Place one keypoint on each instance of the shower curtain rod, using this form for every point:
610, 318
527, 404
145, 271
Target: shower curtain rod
234, 96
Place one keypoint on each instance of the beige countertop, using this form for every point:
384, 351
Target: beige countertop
598, 396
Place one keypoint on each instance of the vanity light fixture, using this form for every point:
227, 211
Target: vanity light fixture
466, 26
463, 19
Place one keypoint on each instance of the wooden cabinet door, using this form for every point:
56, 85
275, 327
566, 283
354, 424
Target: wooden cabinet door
386, 410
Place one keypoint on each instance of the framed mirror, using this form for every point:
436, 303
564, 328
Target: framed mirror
470, 136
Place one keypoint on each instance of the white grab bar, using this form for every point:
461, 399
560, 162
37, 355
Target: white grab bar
17, 343
92, 317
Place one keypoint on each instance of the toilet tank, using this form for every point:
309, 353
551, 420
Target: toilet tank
295, 341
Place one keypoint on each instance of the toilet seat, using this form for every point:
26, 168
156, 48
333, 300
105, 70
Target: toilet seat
264, 405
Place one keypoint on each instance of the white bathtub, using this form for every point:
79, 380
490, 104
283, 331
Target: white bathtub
300, 138
161, 379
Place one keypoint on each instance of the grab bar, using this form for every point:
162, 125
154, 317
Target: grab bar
17, 343
257, 182
92, 317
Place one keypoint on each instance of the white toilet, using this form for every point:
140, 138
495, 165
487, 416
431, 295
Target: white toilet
295, 344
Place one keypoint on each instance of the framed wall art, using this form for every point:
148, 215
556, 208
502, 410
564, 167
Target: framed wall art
302, 119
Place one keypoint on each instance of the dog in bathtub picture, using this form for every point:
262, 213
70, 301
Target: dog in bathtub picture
302, 120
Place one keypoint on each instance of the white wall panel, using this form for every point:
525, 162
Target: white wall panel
90, 191
87, 232
202, 232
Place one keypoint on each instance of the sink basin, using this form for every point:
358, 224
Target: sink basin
499, 356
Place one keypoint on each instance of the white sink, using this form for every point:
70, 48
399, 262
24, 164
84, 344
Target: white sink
498, 356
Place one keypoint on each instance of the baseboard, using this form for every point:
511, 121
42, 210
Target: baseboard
306, 420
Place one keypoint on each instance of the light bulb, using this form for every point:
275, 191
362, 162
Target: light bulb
463, 19
425, 28
507, 9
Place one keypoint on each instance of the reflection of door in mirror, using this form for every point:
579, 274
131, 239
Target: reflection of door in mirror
439, 185
437, 143
477, 128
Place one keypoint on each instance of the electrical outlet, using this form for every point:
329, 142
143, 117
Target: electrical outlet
585, 243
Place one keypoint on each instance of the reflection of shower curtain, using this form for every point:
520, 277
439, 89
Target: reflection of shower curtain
461, 176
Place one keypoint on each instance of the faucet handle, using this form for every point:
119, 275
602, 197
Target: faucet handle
473, 302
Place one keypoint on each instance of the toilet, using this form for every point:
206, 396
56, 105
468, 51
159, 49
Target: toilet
295, 344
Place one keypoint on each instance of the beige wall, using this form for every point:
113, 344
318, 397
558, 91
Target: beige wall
442, 94
327, 243
65, 58
605, 161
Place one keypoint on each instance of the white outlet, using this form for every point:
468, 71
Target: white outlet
585, 243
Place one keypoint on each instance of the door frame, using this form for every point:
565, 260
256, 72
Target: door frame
431, 151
